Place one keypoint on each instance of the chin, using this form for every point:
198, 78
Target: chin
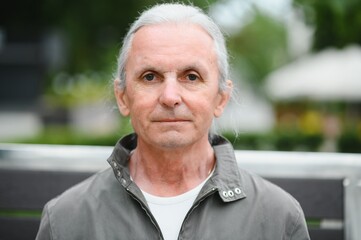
173, 141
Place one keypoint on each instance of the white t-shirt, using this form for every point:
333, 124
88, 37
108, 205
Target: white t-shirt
170, 212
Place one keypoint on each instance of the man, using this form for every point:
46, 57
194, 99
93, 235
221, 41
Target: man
173, 179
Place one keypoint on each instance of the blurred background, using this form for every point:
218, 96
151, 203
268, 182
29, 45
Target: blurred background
296, 65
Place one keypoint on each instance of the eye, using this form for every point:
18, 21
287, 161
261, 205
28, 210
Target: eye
192, 77
149, 77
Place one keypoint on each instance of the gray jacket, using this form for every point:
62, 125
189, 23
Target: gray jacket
233, 204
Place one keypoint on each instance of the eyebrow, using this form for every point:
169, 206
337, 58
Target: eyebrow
142, 69
193, 66
196, 66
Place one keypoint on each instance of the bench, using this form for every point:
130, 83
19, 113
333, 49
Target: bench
23, 196
322, 201
24, 193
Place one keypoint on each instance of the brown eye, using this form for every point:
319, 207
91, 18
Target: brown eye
192, 77
149, 77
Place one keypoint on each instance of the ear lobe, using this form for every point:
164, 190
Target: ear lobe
224, 97
121, 97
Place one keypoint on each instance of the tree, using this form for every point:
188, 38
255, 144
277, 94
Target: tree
337, 23
259, 48
93, 29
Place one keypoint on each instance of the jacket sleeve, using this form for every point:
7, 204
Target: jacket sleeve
44, 232
300, 231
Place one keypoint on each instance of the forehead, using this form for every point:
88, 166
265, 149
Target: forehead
168, 31
179, 41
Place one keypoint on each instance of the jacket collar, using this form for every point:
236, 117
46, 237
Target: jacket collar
226, 178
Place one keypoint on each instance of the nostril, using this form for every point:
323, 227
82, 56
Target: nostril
170, 101
170, 96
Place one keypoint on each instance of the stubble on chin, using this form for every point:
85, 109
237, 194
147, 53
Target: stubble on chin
171, 140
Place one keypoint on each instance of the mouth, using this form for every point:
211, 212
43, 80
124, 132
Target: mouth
171, 120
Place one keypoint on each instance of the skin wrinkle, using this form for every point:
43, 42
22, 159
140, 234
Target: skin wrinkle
155, 46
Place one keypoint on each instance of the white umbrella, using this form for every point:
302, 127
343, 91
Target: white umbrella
327, 76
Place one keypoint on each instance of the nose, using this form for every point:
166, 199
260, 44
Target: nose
171, 93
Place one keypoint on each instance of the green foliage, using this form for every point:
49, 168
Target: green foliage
94, 28
313, 223
349, 142
70, 90
277, 140
9, 213
65, 135
298, 142
250, 141
259, 48
336, 22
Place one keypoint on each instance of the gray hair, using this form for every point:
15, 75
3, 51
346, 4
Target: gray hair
176, 13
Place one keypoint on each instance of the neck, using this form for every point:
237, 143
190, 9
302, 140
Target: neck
170, 173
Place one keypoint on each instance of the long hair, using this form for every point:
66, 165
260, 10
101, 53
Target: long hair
176, 13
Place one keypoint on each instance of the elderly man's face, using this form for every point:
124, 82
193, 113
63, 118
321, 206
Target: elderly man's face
172, 89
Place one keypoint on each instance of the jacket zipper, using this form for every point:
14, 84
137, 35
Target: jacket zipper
210, 192
147, 211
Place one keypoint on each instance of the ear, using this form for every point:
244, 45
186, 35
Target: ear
122, 98
224, 97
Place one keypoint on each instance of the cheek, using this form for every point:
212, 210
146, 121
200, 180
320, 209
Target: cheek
140, 106
205, 109
137, 119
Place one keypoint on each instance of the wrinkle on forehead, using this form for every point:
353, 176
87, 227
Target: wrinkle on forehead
177, 47
163, 36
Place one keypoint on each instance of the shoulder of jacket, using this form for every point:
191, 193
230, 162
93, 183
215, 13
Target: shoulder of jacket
272, 194
81, 191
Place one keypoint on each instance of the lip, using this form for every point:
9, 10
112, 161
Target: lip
171, 120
